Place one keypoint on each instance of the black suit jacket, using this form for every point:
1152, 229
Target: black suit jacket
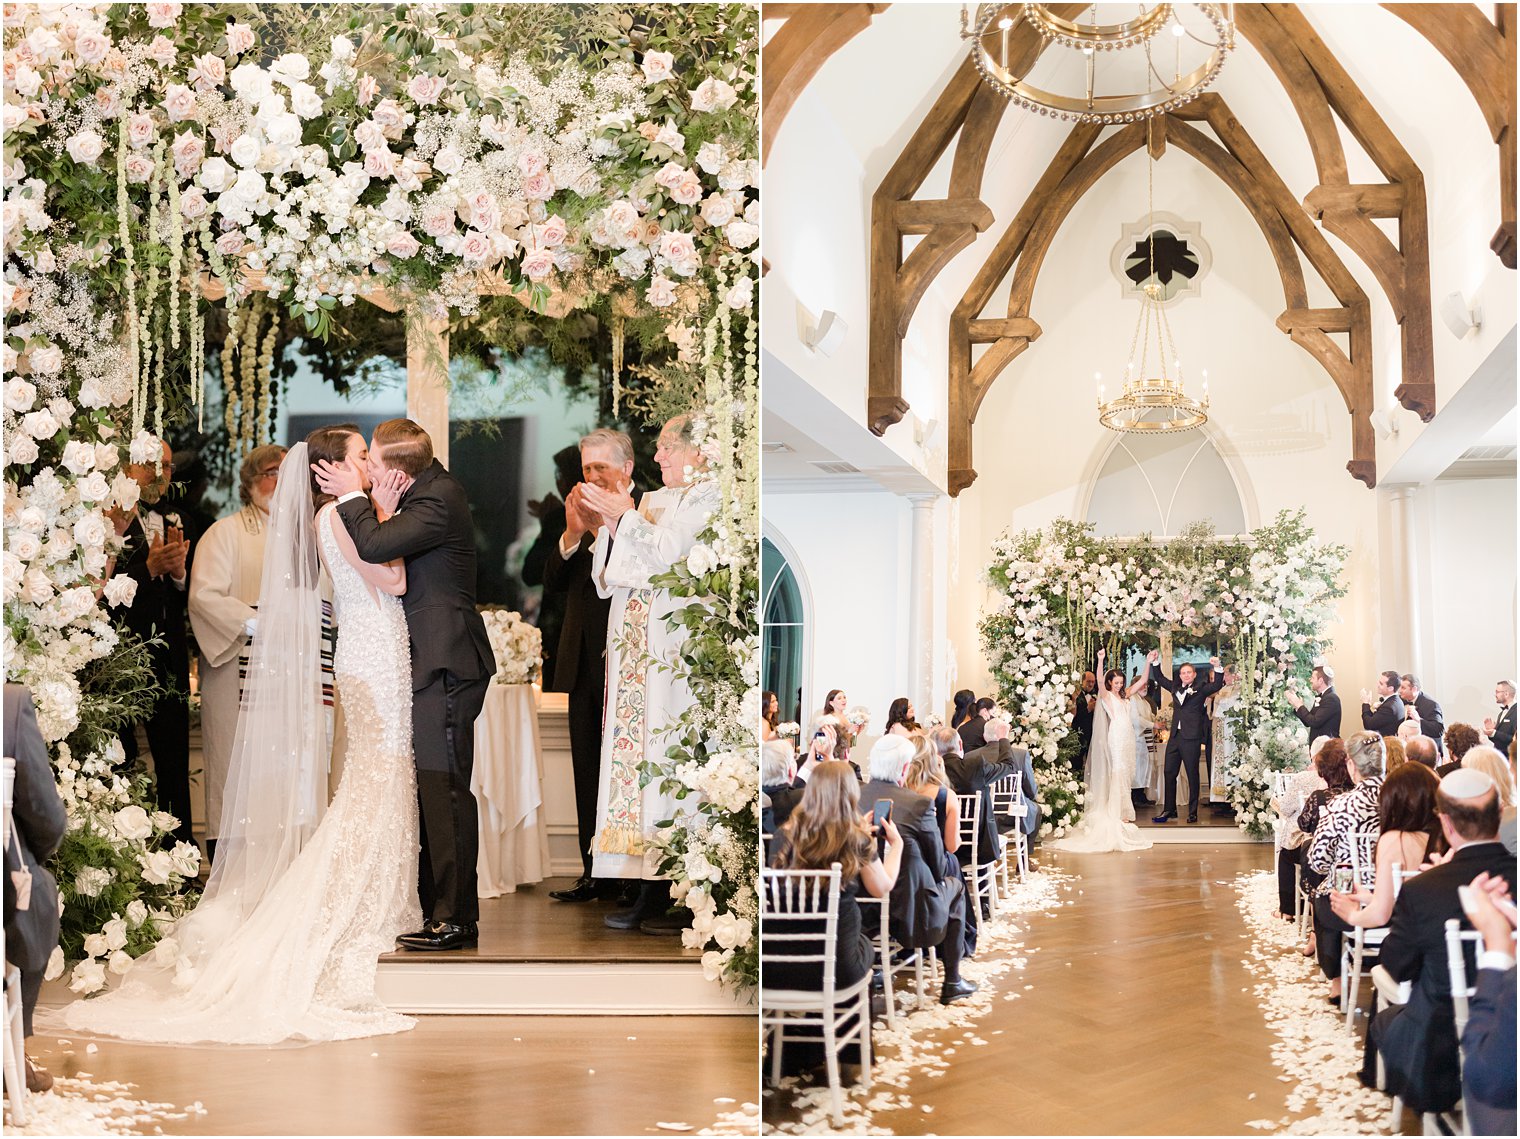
1385, 720
1488, 1068
974, 774
1324, 719
31, 934
583, 636
158, 609
1504, 729
431, 529
783, 799
1419, 1043
915, 817
1432, 722
1190, 719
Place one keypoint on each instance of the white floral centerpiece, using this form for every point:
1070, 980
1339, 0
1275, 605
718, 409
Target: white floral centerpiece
517, 646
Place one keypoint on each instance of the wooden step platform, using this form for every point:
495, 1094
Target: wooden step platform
541, 957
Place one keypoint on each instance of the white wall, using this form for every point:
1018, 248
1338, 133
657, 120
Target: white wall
1470, 638
852, 563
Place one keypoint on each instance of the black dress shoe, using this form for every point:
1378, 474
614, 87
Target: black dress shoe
953, 992
441, 935
653, 901
667, 924
1165, 817
584, 890
1193, 818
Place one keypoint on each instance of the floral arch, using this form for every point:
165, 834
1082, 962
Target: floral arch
1060, 593
168, 165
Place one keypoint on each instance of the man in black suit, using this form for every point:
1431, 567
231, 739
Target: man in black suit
452, 661
156, 555
1488, 1041
1420, 707
1418, 1040
973, 732
1389, 713
1083, 704
914, 816
1500, 729
974, 773
31, 895
580, 668
1189, 724
1324, 719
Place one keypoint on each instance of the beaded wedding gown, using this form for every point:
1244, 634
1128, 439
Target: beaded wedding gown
1108, 820
301, 966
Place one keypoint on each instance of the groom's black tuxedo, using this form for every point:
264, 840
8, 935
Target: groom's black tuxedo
1190, 725
1324, 719
452, 664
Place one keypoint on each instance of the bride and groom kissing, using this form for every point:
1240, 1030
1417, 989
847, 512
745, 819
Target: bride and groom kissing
304, 896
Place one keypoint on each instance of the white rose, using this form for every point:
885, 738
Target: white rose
250, 81
47, 360
717, 210
217, 174
115, 932
132, 822
55, 965
701, 560
305, 101
742, 295
137, 913
448, 161
247, 149
290, 68
19, 394
120, 962
24, 544
90, 531
120, 590
662, 294
283, 129
88, 977
85, 147
95, 944
741, 234
187, 858
40, 424
713, 94
158, 867
658, 66
179, 102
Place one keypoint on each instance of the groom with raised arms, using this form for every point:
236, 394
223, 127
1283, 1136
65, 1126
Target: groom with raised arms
1189, 727
452, 661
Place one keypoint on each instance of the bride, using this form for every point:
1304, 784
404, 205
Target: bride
1108, 822
303, 897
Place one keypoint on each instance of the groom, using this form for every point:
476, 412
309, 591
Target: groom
1189, 726
452, 662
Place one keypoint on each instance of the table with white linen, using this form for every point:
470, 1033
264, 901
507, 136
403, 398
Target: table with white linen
508, 783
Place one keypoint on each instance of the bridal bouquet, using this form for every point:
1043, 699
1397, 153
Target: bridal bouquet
790, 729
517, 646
858, 717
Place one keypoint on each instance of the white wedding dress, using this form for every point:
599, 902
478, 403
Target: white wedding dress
1108, 820
301, 966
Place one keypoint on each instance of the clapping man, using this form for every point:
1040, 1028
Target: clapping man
1324, 719
1500, 729
1385, 716
1419, 707
156, 554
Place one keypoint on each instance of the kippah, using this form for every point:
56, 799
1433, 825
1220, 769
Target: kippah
1466, 783
1328, 671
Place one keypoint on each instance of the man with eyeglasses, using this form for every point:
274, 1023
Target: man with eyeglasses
224, 595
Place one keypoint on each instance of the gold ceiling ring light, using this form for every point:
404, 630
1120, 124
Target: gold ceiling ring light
991, 26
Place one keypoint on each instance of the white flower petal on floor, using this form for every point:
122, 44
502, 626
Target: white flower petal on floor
77, 1106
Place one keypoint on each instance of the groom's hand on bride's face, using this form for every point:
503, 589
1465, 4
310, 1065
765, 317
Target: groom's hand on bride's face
337, 479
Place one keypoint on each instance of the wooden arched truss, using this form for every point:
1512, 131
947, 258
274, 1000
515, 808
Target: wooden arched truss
968, 113
792, 56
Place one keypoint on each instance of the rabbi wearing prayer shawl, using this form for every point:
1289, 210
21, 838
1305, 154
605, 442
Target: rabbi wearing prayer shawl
645, 693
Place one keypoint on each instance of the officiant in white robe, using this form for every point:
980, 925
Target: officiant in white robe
224, 594
645, 694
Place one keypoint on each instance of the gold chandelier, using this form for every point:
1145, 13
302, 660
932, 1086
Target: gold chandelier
992, 25
1152, 404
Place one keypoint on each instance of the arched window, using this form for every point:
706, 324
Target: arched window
783, 630
1161, 484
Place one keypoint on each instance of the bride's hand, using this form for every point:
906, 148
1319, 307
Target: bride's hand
387, 491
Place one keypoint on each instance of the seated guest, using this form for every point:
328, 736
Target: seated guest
974, 730
1408, 833
901, 720
1488, 1041
1501, 728
1393, 747
1330, 765
780, 786
31, 895
1417, 1041
1356, 810
1460, 739
1382, 710
1408, 730
827, 827
928, 897
1496, 767
926, 776
1290, 838
975, 771
965, 708
770, 715
1421, 750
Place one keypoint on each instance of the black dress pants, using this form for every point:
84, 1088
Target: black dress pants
443, 742
1328, 930
1286, 861
586, 703
1182, 754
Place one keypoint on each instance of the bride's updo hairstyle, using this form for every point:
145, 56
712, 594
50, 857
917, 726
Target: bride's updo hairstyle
1108, 680
329, 443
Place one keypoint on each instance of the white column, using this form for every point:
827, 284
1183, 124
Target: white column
427, 379
921, 603
1402, 583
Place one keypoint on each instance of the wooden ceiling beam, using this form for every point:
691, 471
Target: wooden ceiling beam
793, 56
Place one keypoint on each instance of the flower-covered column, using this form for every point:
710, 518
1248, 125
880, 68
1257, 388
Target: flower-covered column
921, 602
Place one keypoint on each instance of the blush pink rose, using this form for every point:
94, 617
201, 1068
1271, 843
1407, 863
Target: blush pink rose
475, 246
538, 188
208, 72
717, 210
688, 191
658, 66
240, 38
402, 245
140, 130
380, 163
188, 151
139, 168
538, 264
368, 88
179, 103
661, 294
92, 46
163, 15
437, 219
531, 162
230, 242
480, 209
390, 116
108, 101
670, 175
425, 89
193, 204
85, 147
370, 135
162, 51
554, 231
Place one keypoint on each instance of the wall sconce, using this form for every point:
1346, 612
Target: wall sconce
823, 335
1460, 318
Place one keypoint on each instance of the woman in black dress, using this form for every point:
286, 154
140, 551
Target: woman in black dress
1330, 762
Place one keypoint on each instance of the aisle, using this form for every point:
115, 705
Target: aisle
1128, 1010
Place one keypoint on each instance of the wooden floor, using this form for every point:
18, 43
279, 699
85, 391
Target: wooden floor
531, 926
448, 1076
1139, 1019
